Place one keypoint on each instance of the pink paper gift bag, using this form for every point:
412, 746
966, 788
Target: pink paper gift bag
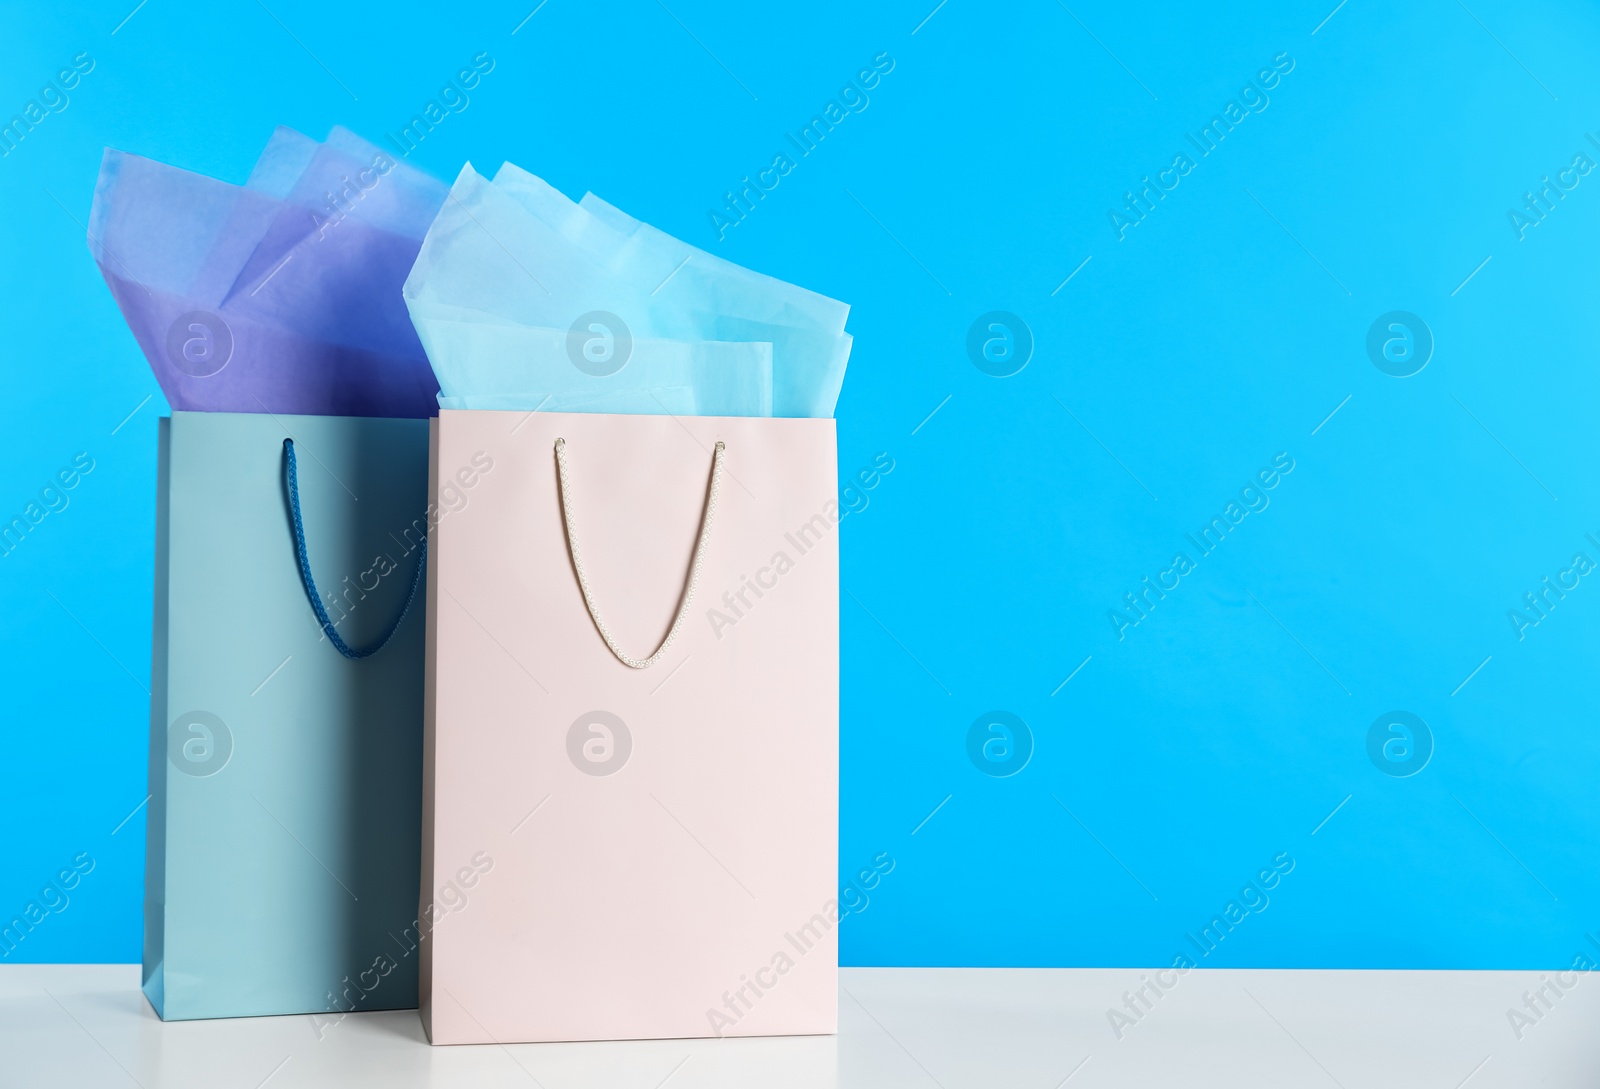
612, 852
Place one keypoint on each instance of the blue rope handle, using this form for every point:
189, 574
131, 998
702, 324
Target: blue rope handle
339, 644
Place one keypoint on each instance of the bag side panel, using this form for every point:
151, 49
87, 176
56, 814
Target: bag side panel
155, 834
430, 696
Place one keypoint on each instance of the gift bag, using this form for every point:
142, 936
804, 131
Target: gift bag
286, 695
630, 771
285, 737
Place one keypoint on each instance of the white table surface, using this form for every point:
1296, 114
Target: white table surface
88, 1025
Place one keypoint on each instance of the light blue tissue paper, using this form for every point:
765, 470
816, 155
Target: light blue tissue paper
481, 360
760, 293
708, 297
516, 251
662, 401
609, 214
634, 268
486, 252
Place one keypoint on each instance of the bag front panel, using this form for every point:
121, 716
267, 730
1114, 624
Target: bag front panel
627, 853
292, 774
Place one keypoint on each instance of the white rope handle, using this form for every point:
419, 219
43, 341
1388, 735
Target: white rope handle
694, 567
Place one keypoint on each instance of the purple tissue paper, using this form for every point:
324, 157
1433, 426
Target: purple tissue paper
272, 297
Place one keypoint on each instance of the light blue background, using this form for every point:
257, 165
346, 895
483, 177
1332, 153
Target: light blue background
1175, 763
